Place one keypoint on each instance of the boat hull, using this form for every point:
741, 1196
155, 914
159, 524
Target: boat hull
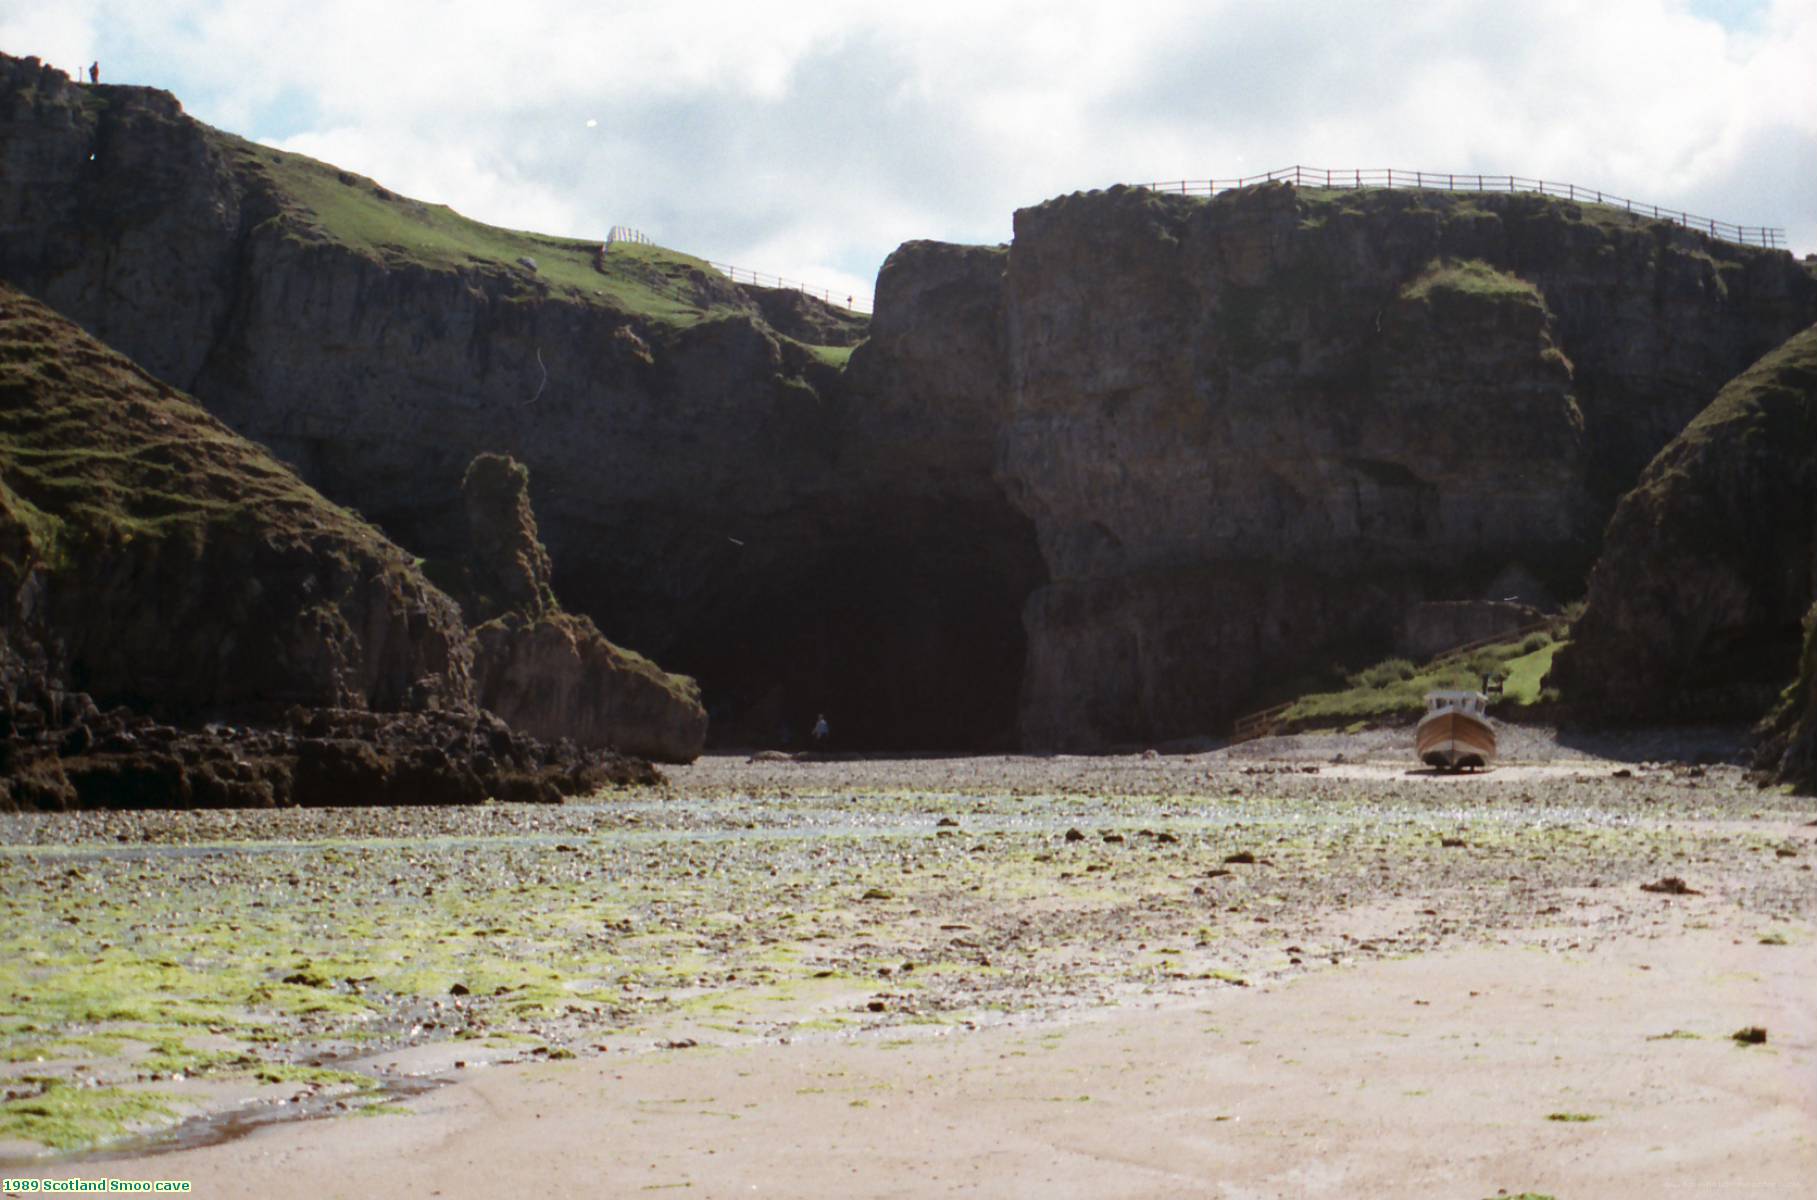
1455, 741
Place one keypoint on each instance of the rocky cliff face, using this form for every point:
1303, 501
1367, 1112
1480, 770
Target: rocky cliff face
1113, 483
939, 559
378, 344
1252, 431
708, 492
1709, 565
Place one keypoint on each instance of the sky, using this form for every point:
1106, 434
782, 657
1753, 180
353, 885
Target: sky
810, 139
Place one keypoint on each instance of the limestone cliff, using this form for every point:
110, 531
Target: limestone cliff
1252, 431
940, 560
683, 449
1113, 483
708, 491
1709, 564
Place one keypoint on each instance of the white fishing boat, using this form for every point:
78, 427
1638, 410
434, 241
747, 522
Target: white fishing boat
1455, 733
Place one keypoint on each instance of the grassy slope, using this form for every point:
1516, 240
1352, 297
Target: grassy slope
647, 281
91, 447
1397, 688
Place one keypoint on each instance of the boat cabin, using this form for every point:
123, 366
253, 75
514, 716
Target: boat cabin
1470, 702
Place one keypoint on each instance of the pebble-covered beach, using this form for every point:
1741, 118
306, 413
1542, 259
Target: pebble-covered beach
165, 974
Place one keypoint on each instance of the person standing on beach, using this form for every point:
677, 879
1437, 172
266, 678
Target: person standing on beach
821, 731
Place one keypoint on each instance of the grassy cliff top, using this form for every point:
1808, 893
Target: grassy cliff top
322, 202
352, 211
93, 447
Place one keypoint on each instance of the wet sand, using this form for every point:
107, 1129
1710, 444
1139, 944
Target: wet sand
1068, 980
1435, 1076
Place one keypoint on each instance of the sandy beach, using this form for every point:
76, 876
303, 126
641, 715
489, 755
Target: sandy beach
1292, 968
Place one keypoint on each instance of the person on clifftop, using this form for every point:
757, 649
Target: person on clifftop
94, 71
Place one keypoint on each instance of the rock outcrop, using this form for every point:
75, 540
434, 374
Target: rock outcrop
547, 672
155, 567
1709, 564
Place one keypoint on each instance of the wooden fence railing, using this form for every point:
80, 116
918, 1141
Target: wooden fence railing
1473, 181
1260, 724
851, 301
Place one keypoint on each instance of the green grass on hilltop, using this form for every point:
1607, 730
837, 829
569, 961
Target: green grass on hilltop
1397, 687
353, 211
1471, 277
91, 446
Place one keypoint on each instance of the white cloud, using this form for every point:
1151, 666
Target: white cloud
809, 139
60, 34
